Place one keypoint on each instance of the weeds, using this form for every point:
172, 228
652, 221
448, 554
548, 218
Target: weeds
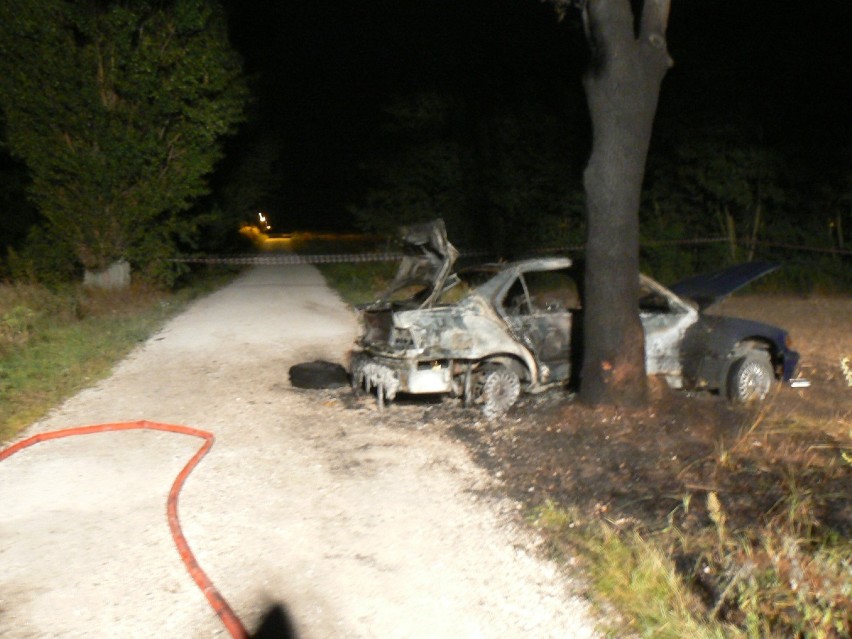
790, 582
721, 566
359, 283
786, 574
776, 585
21, 308
15, 327
630, 572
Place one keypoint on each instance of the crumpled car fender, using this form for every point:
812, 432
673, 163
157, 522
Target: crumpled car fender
711, 343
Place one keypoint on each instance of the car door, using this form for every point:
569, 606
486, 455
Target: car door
539, 309
665, 319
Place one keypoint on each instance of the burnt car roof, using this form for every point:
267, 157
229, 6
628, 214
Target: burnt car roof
506, 271
708, 289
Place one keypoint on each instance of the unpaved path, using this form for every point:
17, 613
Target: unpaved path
359, 527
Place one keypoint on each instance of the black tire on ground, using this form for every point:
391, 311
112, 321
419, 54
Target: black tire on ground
500, 390
750, 377
318, 374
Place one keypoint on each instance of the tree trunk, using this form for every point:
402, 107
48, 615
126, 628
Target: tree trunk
622, 86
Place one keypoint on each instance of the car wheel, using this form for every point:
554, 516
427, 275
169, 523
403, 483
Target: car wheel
750, 377
318, 374
500, 390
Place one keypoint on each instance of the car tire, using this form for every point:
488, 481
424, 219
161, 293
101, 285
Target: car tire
318, 374
500, 390
750, 377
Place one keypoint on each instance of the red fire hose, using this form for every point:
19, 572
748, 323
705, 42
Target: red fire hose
217, 601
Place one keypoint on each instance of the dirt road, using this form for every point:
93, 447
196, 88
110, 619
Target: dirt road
359, 527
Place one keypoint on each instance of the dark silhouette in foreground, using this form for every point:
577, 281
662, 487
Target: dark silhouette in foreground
318, 374
275, 624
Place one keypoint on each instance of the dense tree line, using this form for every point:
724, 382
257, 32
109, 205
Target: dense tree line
118, 111
510, 182
721, 180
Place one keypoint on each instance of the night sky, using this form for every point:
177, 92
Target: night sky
323, 72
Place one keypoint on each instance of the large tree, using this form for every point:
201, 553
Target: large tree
118, 110
627, 63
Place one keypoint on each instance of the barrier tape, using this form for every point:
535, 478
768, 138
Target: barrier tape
747, 243
797, 247
353, 258
291, 258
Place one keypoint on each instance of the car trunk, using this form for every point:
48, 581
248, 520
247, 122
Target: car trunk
426, 264
424, 270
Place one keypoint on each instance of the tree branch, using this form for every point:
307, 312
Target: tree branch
655, 16
611, 19
655, 19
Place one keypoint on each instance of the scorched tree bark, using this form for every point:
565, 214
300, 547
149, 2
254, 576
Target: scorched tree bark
629, 57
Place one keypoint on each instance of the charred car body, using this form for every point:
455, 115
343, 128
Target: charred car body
488, 333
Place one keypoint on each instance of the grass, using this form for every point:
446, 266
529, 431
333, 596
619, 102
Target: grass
629, 571
782, 573
779, 579
359, 283
56, 342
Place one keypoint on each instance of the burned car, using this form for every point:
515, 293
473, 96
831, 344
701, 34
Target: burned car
487, 333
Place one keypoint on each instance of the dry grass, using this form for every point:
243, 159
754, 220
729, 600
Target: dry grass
55, 342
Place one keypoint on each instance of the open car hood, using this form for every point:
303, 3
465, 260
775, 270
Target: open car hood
427, 263
710, 288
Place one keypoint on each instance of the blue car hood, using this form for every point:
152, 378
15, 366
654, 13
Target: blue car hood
710, 288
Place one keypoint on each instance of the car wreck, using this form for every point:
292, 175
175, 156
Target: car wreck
487, 333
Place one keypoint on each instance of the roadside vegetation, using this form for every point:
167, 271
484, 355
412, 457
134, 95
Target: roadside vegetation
358, 283
156, 82
773, 563
56, 341
692, 518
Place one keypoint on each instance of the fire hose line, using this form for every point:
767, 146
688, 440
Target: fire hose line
217, 601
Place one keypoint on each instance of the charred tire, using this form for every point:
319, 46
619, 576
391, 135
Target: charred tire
500, 390
750, 377
318, 374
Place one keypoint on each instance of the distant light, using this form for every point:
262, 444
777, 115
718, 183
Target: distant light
263, 221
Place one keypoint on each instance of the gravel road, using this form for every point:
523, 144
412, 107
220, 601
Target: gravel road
359, 527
